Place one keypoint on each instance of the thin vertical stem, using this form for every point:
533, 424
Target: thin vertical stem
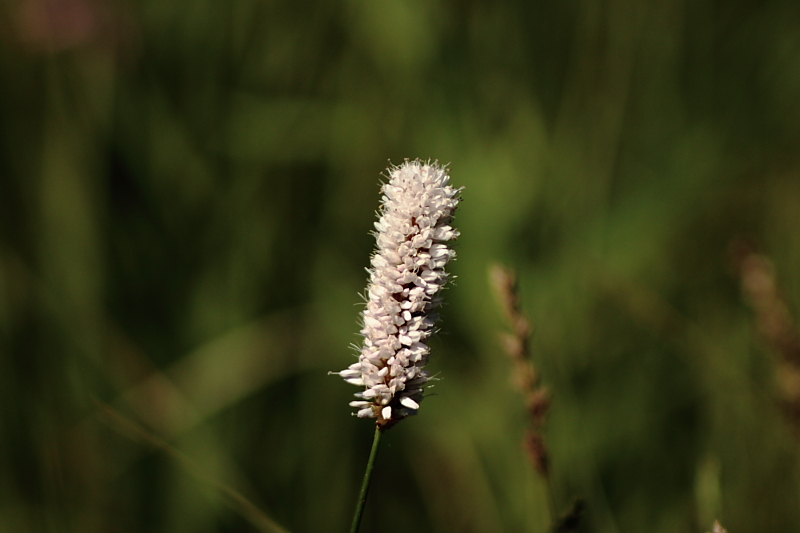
362, 497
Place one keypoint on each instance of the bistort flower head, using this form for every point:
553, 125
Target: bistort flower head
406, 276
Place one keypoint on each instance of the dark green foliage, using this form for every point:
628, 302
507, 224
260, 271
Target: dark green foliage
186, 194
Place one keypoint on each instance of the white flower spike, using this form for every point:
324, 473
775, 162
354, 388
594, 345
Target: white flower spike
406, 276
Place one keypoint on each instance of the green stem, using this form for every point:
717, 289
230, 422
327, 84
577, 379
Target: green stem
362, 497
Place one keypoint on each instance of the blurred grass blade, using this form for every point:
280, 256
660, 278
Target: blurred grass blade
235, 500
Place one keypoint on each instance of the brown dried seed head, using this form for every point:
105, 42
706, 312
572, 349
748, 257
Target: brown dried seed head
537, 452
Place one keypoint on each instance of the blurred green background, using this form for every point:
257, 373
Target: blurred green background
186, 194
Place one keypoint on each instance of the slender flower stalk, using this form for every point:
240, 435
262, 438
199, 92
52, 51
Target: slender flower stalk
406, 276
362, 496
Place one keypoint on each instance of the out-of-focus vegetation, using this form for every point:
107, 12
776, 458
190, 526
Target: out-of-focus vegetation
186, 194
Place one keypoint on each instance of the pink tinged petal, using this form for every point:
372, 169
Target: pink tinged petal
398, 383
378, 261
416, 293
415, 323
439, 250
422, 257
371, 322
366, 413
408, 277
392, 306
386, 352
374, 360
417, 348
375, 334
445, 234
371, 380
351, 372
429, 276
394, 288
393, 257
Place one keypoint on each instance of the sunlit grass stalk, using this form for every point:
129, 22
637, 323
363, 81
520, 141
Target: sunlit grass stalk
233, 498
